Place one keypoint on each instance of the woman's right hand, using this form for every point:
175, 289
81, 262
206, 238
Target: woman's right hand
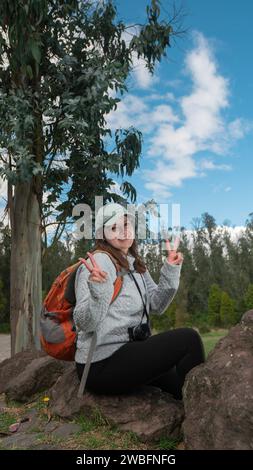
174, 256
97, 275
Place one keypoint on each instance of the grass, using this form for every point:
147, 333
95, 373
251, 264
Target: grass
210, 339
6, 419
95, 433
166, 443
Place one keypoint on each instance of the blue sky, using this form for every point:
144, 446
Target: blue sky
195, 113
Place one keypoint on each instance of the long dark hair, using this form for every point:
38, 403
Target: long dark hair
139, 265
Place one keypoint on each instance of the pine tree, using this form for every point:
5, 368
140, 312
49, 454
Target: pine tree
214, 304
166, 321
248, 298
227, 310
181, 313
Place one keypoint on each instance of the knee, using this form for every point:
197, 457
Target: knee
187, 330
195, 333
194, 340
191, 335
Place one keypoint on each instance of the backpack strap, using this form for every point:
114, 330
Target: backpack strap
117, 288
115, 262
87, 365
69, 293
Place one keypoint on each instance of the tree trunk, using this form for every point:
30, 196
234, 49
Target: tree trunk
26, 271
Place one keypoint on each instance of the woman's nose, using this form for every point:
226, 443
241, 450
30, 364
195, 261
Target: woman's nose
124, 232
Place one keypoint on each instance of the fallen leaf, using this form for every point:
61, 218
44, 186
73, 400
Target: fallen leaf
14, 427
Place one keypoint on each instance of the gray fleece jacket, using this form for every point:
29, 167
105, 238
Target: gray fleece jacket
93, 311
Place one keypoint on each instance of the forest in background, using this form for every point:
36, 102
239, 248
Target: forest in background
216, 284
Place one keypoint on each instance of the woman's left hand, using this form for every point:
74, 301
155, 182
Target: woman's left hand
174, 257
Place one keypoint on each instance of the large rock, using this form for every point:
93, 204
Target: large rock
147, 411
218, 395
10, 368
28, 373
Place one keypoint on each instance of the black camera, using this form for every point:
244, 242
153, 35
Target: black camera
139, 332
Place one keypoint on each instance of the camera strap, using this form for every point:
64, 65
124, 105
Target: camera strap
137, 285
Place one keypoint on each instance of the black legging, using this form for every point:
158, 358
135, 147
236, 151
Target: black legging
162, 360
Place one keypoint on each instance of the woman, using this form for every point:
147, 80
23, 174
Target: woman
121, 364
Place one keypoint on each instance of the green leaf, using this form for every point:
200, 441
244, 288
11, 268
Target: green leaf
29, 71
36, 52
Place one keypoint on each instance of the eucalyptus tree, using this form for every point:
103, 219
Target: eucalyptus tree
5, 248
60, 60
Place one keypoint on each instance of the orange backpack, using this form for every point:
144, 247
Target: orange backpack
58, 335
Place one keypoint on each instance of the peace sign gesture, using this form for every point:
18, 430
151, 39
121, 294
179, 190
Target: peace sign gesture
97, 275
174, 257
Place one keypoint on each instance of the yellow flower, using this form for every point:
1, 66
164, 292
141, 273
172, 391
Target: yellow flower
46, 399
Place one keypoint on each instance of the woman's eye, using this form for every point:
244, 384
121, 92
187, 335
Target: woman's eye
114, 228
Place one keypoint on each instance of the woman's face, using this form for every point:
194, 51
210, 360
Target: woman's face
120, 235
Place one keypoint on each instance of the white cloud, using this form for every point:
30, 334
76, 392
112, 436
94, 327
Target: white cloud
177, 83
210, 165
142, 77
162, 114
234, 233
157, 187
115, 188
158, 97
167, 175
133, 110
239, 127
220, 188
202, 125
179, 134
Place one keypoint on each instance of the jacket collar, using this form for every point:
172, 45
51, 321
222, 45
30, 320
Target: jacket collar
130, 260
